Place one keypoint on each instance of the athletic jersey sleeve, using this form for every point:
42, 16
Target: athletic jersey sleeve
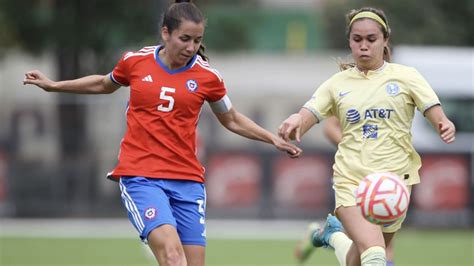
120, 73
421, 92
322, 102
218, 99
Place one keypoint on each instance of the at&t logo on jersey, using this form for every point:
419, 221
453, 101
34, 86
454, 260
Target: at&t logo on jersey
369, 131
191, 85
352, 116
150, 213
378, 113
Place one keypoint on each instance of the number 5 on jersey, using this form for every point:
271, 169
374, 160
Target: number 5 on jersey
165, 95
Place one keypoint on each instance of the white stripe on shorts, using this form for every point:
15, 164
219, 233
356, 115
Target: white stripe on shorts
132, 208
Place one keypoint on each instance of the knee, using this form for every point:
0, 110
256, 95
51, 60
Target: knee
173, 256
169, 254
369, 243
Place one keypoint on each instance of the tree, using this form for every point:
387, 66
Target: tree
86, 37
435, 22
73, 29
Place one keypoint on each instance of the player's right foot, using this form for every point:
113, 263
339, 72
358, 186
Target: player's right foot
305, 247
321, 237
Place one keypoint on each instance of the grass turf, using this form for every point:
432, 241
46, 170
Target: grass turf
412, 247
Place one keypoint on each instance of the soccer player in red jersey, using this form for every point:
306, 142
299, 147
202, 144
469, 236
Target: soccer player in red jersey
161, 180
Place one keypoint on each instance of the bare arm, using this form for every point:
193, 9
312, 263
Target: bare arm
332, 130
295, 126
243, 126
94, 84
441, 123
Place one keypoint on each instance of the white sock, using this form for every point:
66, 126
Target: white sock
373, 256
341, 244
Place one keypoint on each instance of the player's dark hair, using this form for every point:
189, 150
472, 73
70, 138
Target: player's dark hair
387, 54
183, 10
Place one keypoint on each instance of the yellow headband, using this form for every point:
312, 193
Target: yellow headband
371, 15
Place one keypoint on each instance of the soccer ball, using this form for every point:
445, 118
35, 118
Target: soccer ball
382, 198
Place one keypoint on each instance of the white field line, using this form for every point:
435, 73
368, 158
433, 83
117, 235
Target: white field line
121, 228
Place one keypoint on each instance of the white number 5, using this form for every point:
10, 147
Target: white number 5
168, 98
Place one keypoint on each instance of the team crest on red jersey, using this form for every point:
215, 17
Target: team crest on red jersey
191, 85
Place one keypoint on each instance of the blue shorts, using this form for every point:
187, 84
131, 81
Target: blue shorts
152, 202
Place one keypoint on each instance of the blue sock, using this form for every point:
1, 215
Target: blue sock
390, 263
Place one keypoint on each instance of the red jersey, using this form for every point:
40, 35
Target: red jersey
162, 115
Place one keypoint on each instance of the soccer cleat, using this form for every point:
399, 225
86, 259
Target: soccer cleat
321, 238
305, 246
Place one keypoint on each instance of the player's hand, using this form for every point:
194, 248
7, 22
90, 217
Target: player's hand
447, 131
282, 145
290, 129
35, 77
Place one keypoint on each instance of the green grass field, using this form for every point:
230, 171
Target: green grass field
447, 248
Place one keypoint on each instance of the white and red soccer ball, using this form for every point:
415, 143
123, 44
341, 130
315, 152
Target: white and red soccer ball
382, 198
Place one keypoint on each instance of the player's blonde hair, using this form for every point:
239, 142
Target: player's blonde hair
380, 17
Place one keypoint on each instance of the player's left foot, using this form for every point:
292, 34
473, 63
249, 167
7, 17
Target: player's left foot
321, 237
305, 246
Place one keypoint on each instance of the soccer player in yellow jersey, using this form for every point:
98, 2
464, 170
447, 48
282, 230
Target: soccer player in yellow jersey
375, 102
333, 131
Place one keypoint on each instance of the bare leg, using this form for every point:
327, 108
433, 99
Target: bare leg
353, 256
363, 233
166, 246
195, 255
389, 244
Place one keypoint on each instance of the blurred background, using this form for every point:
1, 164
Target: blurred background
56, 149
